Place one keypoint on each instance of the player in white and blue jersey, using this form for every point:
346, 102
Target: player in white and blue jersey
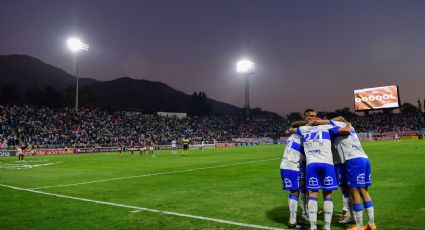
358, 174
292, 160
173, 147
341, 175
320, 169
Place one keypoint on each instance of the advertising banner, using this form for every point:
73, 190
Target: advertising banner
7, 153
84, 150
107, 149
53, 151
243, 140
384, 97
223, 145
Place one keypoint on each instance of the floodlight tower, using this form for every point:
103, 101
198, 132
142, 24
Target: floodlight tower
246, 68
76, 45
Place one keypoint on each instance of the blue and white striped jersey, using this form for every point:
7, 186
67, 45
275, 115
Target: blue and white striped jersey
293, 153
317, 142
348, 145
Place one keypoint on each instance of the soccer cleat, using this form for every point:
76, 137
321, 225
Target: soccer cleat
343, 214
346, 219
354, 227
297, 225
368, 227
305, 216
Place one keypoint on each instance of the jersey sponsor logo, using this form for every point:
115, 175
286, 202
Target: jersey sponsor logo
356, 147
315, 151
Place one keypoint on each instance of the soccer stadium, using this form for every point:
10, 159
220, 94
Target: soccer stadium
106, 122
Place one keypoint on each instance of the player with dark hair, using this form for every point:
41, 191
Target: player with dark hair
320, 167
309, 114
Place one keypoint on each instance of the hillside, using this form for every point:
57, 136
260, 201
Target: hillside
25, 73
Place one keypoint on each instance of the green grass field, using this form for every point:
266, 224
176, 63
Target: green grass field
241, 185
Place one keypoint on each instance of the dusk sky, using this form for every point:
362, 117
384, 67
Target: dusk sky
308, 53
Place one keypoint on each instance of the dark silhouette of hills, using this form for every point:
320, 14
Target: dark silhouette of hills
23, 77
26, 72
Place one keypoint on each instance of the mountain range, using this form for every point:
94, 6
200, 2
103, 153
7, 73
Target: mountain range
26, 73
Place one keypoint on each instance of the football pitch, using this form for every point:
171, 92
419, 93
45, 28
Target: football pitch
224, 188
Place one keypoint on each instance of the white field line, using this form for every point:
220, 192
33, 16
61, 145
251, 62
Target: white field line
135, 211
155, 174
53, 163
25, 161
22, 166
144, 209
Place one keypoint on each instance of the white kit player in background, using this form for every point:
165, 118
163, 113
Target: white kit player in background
320, 168
20, 153
293, 159
202, 144
358, 174
173, 147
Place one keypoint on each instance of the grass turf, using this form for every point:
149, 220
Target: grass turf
247, 190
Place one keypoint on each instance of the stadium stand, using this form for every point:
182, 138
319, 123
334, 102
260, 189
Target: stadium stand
47, 127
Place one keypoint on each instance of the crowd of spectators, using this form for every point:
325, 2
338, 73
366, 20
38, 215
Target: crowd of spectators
46, 127
389, 122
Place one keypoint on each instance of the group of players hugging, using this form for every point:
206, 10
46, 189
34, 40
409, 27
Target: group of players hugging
324, 155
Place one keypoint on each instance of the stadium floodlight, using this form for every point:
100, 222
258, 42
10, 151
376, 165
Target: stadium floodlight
76, 45
245, 68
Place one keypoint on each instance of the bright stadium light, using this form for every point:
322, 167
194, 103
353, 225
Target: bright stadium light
246, 68
76, 45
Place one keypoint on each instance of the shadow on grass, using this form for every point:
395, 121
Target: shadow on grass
280, 214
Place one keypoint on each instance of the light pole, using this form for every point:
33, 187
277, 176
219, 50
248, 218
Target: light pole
246, 68
76, 45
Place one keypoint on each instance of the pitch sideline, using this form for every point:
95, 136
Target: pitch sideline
135, 208
153, 174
